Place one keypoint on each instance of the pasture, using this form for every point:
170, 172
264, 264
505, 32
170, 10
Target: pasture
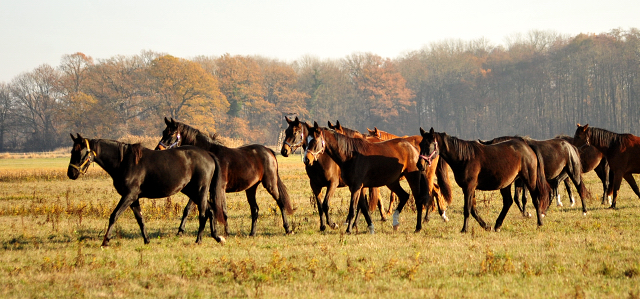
51, 229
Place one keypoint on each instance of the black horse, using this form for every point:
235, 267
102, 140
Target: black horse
489, 167
139, 172
242, 169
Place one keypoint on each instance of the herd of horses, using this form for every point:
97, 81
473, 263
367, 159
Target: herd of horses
192, 162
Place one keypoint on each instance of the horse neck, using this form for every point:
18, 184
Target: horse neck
451, 149
333, 148
108, 154
203, 141
604, 139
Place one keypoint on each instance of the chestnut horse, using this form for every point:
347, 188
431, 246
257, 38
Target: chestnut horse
561, 161
366, 164
138, 172
489, 167
620, 150
242, 169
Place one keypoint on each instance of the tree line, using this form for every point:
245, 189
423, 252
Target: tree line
539, 85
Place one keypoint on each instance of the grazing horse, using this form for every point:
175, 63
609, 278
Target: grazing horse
434, 167
489, 167
561, 161
242, 169
620, 150
592, 159
366, 164
139, 172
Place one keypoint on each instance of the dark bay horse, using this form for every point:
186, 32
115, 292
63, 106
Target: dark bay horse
620, 150
242, 169
489, 167
561, 161
366, 164
324, 173
592, 159
138, 172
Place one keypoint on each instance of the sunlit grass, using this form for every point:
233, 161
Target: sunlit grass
51, 230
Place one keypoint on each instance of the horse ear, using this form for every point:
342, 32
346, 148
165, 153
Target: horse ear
79, 137
422, 131
296, 120
431, 131
586, 127
338, 123
329, 124
375, 129
173, 122
315, 125
72, 138
166, 121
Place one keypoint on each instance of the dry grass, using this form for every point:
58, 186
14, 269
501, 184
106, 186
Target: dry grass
52, 227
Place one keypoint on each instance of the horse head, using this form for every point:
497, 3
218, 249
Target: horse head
81, 157
315, 144
170, 136
428, 148
293, 136
582, 136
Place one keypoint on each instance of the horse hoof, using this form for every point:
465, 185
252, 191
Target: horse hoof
383, 219
371, 229
497, 229
584, 213
528, 215
395, 228
445, 218
417, 231
322, 228
222, 240
543, 215
334, 226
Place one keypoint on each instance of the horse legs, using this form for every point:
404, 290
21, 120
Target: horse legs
316, 194
632, 183
364, 207
470, 209
374, 194
253, 205
392, 199
616, 180
403, 197
602, 170
135, 207
124, 203
185, 214
570, 193
333, 185
519, 188
507, 201
278, 192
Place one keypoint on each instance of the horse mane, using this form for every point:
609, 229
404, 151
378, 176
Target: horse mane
465, 150
605, 138
191, 134
347, 144
136, 150
503, 139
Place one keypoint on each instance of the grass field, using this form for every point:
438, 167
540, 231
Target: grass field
52, 228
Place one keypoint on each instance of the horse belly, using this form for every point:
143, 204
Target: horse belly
495, 180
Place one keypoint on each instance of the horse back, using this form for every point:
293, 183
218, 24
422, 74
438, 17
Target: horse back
162, 173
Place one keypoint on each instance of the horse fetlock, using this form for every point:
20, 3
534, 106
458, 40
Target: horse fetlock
396, 218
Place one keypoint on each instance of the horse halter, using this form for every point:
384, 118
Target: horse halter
298, 144
178, 138
432, 155
320, 151
89, 158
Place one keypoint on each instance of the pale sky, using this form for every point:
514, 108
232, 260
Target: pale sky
35, 32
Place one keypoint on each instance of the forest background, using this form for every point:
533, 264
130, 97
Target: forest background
539, 84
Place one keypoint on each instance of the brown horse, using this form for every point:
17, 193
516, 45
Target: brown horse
620, 150
243, 169
489, 167
592, 159
438, 168
561, 161
366, 164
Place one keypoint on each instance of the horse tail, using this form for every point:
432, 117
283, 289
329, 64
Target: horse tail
374, 197
284, 196
575, 169
442, 173
541, 182
217, 192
